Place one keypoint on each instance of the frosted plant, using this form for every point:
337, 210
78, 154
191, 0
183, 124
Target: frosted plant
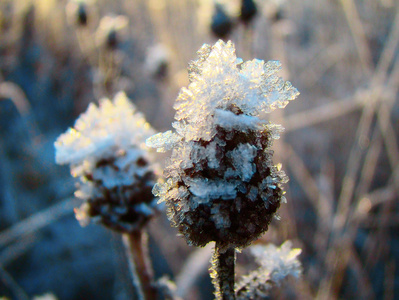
221, 24
107, 153
276, 263
157, 61
222, 185
110, 31
77, 12
248, 10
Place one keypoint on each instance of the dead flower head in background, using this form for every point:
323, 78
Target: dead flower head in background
106, 151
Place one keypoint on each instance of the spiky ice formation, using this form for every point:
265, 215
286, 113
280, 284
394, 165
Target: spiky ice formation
222, 185
106, 150
275, 264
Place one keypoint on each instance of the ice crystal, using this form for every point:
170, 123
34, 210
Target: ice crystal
221, 149
276, 263
106, 150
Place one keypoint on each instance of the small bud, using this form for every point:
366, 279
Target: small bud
221, 24
82, 14
157, 61
274, 10
111, 31
78, 12
248, 10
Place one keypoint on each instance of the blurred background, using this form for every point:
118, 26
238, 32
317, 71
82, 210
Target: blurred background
339, 148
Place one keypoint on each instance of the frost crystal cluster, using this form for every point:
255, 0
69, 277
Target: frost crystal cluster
276, 263
106, 150
222, 185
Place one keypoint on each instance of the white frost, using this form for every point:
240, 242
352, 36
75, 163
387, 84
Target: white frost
101, 130
225, 91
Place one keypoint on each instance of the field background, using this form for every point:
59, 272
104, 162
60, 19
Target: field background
339, 148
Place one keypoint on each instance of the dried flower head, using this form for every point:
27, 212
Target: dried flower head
111, 30
106, 151
222, 185
221, 24
276, 263
77, 12
248, 10
157, 61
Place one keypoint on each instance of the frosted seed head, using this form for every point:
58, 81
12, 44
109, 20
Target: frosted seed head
221, 149
106, 151
157, 61
248, 10
111, 30
221, 23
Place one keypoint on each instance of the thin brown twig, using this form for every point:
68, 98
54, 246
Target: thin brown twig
314, 70
370, 164
321, 204
358, 34
332, 110
136, 245
365, 123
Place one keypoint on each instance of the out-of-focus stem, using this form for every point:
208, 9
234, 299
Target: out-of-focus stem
223, 273
136, 245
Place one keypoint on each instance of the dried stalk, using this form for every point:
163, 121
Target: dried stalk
222, 272
136, 245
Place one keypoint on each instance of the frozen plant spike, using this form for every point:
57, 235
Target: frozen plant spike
221, 155
106, 151
279, 261
276, 263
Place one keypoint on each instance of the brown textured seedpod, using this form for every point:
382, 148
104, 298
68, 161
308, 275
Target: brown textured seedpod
123, 207
244, 186
248, 10
78, 12
106, 151
222, 185
221, 24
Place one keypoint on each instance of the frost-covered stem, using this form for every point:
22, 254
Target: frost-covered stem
136, 245
222, 272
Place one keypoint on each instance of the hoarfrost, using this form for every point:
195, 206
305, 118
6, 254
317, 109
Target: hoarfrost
221, 149
242, 158
279, 261
106, 151
219, 81
163, 141
276, 263
229, 120
209, 189
98, 132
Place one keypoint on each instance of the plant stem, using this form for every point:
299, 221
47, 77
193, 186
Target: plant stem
222, 272
136, 245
